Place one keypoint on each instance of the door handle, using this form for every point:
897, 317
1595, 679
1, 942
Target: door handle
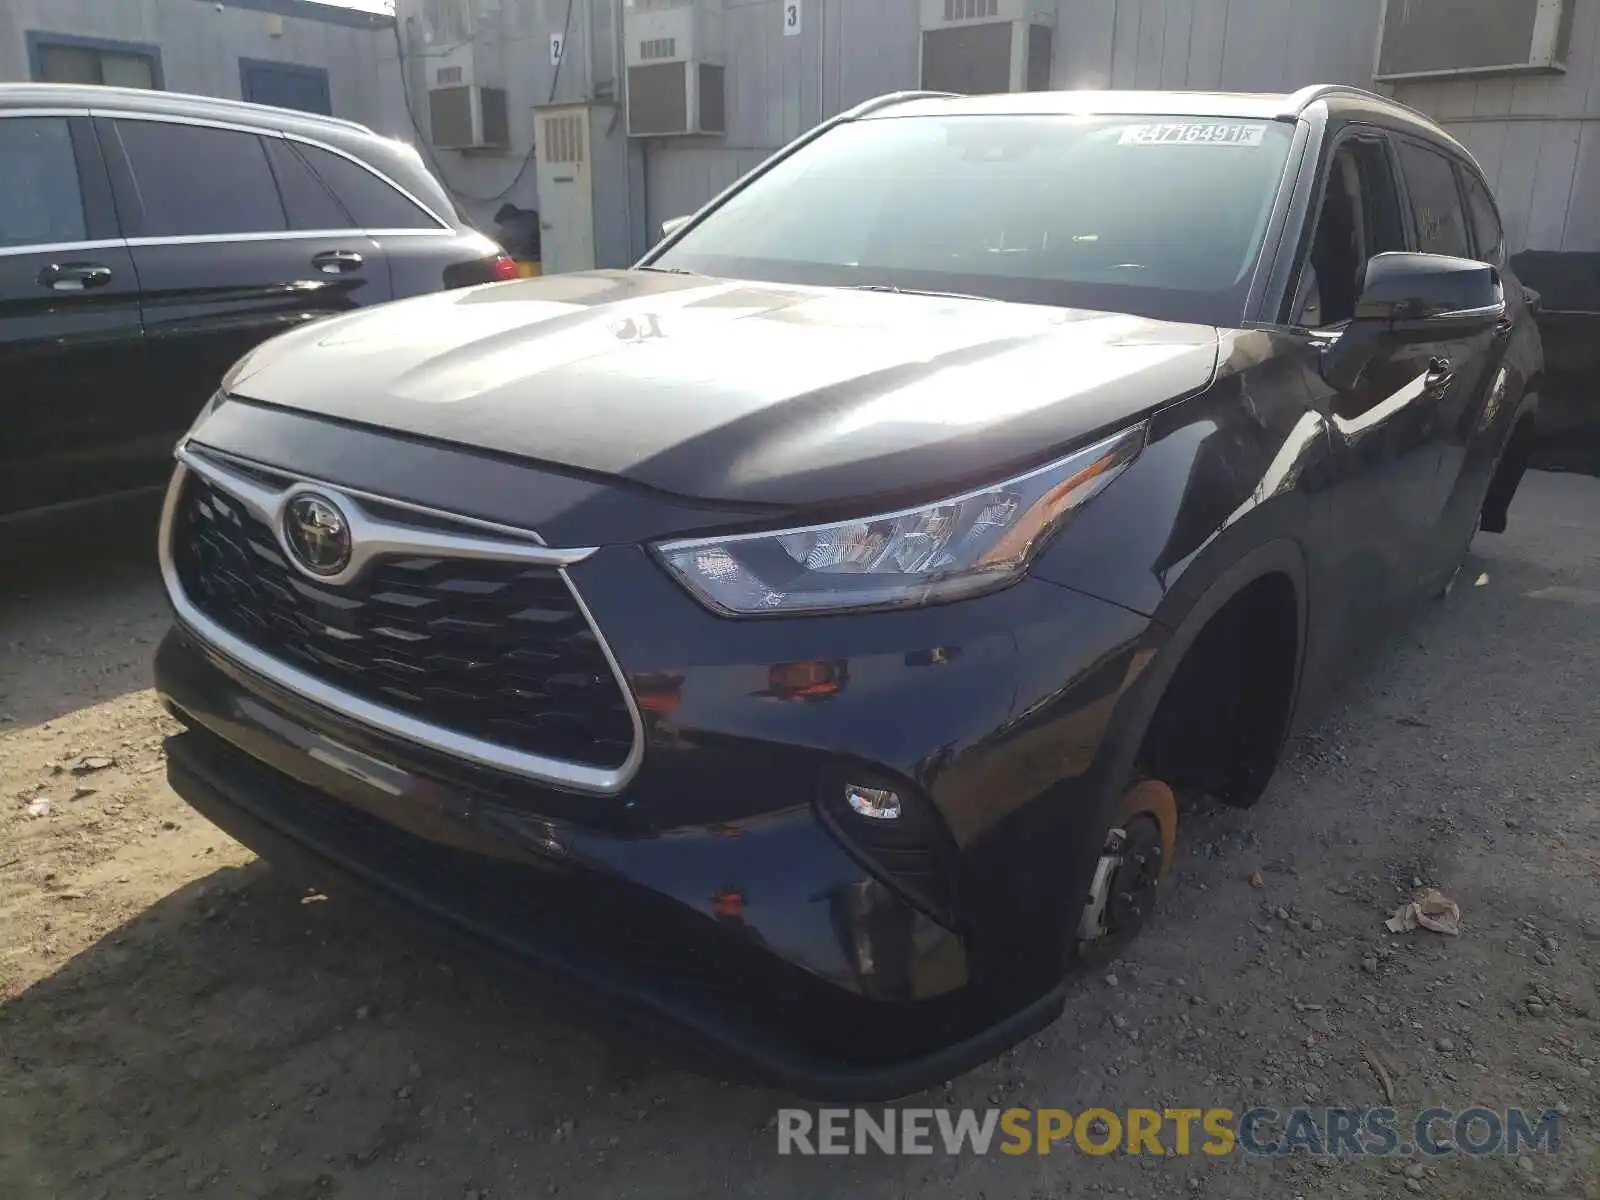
337, 262
74, 277
1441, 374
1503, 328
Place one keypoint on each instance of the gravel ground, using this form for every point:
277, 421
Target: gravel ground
175, 1020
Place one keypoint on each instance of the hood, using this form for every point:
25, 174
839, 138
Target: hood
729, 391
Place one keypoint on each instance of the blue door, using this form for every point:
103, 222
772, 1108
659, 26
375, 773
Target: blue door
285, 85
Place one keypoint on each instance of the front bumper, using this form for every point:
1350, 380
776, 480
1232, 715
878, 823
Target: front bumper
706, 990
710, 905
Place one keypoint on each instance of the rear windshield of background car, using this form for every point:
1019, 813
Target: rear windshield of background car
1159, 216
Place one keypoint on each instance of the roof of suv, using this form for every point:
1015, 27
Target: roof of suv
396, 159
174, 104
1258, 106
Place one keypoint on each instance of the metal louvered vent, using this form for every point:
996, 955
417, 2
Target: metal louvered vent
970, 10
563, 139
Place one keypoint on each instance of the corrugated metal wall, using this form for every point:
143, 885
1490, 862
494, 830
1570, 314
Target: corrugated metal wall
778, 87
1538, 139
1236, 45
851, 50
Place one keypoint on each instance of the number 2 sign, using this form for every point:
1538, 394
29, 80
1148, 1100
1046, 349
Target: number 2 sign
791, 18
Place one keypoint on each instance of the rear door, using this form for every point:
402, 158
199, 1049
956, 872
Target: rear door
70, 345
419, 247
1471, 447
1465, 367
233, 242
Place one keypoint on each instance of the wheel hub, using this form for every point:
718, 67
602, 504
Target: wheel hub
1127, 876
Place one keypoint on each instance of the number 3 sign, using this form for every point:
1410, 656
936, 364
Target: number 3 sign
791, 18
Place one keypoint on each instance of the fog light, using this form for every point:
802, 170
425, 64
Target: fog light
877, 804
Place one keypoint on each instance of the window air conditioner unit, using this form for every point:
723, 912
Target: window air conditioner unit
468, 117
674, 58
981, 46
1447, 39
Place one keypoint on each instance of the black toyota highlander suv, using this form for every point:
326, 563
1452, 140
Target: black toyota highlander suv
148, 239
804, 643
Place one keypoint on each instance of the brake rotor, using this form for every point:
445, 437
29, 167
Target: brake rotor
1127, 876
1153, 798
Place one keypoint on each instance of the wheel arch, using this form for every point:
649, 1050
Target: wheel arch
1182, 618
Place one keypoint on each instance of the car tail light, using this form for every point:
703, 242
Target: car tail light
496, 268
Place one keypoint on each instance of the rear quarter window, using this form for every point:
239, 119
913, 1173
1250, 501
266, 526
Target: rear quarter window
373, 203
308, 201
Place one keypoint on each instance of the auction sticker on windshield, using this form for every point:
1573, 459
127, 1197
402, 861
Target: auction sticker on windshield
1192, 133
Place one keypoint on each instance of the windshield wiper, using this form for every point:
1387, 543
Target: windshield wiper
669, 270
904, 291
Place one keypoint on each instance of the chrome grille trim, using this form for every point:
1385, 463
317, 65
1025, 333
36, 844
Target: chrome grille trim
505, 544
373, 535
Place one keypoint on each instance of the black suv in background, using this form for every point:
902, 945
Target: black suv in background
147, 240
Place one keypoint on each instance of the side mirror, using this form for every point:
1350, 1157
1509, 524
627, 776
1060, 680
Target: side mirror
1412, 299
672, 224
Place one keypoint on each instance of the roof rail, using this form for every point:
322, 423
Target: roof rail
1307, 96
225, 103
891, 98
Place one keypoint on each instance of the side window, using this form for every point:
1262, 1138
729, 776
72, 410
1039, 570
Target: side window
1435, 201
306, 199
1359, 217
1487, 233
81, 60
371, 201
40, 203
191, 180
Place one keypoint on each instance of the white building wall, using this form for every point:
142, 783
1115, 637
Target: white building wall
1538, 140
1538, 137
778, 87
517, 32
1234, 45
201, 48
851, 50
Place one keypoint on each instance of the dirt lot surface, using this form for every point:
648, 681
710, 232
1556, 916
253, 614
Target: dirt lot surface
175, 1020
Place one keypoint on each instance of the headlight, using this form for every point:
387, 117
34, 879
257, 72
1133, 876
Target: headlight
957, 547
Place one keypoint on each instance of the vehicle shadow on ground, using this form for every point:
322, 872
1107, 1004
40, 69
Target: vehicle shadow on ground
244, 1019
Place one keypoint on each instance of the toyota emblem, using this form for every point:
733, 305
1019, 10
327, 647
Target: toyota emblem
317, 533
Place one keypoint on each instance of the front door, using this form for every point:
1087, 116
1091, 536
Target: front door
1382, 472
70, 340
566, 203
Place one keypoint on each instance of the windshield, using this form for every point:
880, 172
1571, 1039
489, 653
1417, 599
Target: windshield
1161, 217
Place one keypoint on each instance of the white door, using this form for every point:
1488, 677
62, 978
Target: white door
566, 202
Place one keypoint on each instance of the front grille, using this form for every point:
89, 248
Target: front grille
498, 651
